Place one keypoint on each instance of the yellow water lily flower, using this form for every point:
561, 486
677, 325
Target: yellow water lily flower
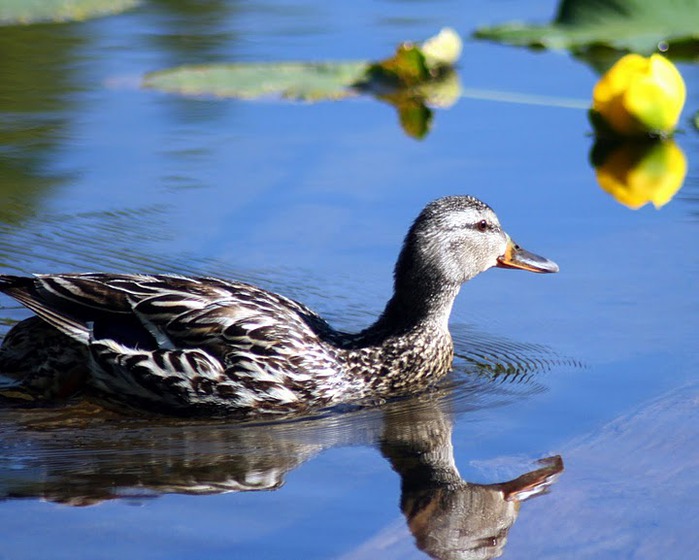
636, 173
444, 49
640, 95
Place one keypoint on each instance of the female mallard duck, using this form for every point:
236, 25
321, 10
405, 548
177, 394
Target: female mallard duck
198, 346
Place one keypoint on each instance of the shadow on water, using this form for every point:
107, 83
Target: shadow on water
81, 455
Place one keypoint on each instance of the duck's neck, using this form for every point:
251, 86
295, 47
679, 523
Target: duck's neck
421, 290
416, 304
424, 289
423, 293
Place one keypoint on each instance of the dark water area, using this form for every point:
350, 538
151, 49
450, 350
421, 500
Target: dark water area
568, 428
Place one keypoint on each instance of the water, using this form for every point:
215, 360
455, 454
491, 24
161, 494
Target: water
313, 201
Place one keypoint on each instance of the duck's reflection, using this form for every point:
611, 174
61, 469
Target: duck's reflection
449, 517
82, 457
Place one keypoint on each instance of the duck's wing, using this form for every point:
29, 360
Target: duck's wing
229, 315
274, 351
193, 382
159, 311
171, 381
184, 344
233, 349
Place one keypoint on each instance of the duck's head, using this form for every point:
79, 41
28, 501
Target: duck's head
455, 238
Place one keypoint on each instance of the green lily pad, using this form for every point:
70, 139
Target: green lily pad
628, 25
415, 78
289, 80
314, 81
13, 12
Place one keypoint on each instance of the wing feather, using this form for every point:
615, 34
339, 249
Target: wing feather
200, 342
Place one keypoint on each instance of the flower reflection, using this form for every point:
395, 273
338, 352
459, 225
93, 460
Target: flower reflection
639, 96
638, 172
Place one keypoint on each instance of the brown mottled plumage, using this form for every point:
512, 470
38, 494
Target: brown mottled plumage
200, 346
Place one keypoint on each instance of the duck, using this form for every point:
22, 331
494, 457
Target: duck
204, 346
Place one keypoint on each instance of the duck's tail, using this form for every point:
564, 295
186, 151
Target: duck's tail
25, 290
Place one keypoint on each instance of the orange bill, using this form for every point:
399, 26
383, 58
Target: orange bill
516, 257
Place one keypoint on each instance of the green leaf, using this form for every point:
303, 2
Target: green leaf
14, 12
288, 80
405, 69
412, 79
413, 65
628, 25
410, 67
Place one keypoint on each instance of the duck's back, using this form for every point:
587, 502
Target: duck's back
190, 344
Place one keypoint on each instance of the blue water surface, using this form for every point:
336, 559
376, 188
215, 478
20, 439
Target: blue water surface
313, 200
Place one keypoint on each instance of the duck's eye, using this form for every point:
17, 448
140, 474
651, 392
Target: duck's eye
482, 225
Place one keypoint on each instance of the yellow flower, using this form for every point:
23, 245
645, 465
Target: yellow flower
636, 173
640, 95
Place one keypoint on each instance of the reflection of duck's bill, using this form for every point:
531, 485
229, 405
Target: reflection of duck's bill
516, 257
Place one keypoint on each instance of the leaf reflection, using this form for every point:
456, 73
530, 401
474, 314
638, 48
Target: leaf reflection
416, 78
414, 104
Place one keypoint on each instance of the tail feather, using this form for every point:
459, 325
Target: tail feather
23, 289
